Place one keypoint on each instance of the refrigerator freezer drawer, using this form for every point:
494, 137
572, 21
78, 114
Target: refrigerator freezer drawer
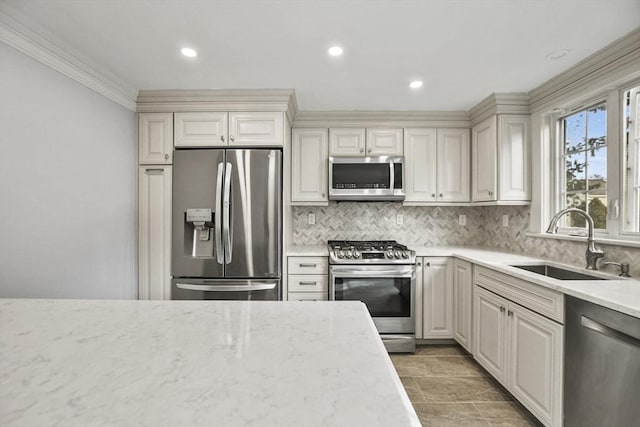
223, 289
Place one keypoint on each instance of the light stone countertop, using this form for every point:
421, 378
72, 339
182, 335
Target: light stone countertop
195, 363
617, 293
318, 250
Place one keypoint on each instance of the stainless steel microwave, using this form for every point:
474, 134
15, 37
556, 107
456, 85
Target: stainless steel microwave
379, 178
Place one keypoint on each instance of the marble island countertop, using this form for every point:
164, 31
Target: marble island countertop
195, 363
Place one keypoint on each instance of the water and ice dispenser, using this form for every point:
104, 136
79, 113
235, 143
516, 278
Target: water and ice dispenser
202, 222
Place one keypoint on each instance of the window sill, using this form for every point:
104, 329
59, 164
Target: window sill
600, 240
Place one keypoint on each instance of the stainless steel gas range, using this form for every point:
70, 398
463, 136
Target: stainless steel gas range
381, 274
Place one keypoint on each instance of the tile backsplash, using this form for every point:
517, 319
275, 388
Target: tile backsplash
439, 226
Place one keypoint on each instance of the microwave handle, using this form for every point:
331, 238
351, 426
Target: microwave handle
392, 176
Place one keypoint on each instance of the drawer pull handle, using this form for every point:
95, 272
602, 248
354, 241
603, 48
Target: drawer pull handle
308, 265
307, 283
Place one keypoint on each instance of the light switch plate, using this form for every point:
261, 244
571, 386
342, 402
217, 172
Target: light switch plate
462, 220
505, 220
399, 219
311, 219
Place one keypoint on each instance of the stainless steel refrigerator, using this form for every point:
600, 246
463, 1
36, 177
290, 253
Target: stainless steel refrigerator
227, 223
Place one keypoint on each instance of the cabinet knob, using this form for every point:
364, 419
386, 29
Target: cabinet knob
440, 194
509, 313
362, 150
501, 309
419, 264
222, 138
491, 193
231, 138
322, 195
433, 194
166, 157
369, 150
428, 264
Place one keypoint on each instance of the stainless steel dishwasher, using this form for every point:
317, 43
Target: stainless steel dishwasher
602, 366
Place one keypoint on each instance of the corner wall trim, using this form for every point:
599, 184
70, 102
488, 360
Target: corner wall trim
26, 41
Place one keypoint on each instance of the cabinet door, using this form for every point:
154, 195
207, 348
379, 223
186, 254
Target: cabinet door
419, 297
155, 138
484, 156
309, 166
453, 165
200, 129
346, 141
384, 142
437, 298
256, 129
421, 162
154, 228
490, 335
536, 358
513, 143
462, 303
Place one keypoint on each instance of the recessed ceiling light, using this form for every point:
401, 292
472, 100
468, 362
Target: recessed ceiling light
335, 51
415, 84
188, 52
557, 54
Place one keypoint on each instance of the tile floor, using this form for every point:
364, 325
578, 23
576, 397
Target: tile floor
448, 388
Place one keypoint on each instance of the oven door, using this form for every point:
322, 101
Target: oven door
388, 291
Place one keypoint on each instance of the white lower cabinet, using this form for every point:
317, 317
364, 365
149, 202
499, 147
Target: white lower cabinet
462, 303
307, 278
436, 298
154, 228
523, 351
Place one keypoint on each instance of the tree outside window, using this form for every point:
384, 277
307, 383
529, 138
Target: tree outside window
584, 156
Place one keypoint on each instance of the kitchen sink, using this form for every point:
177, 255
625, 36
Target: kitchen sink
557, 273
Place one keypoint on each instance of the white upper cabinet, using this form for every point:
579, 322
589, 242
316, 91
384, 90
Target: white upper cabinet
436, 165
155, 138
514, 135
220, 129
421, 165
346, 141
200, 129
453, 165
484, 153
384, 142
256, 129
500, 156
309, 167
365, 142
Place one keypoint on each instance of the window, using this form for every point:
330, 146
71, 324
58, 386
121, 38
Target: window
631, 146
584, 142
598, 169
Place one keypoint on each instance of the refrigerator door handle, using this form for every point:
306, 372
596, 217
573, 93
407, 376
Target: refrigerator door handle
228, 288
218, 216
226, 202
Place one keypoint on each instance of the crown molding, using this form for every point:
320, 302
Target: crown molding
609, 67
499, 103
337, 118
176, 100
56, 56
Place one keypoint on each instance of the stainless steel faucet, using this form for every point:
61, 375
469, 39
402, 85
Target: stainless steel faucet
593, 252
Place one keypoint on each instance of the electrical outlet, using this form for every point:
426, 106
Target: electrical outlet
462, 220
311, 219
399, 219
505, 220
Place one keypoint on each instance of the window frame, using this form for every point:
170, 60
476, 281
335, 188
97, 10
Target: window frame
613, 100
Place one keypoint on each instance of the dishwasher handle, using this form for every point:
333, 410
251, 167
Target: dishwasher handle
609, 331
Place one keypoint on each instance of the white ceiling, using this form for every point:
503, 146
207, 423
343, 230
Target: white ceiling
462, 49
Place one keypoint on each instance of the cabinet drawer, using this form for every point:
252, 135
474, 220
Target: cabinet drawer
307, 296
541, 300
308, 265
308, 283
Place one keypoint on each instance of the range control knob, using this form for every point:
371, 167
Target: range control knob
339, 253
397, 254
389, 253
405, 254
356, 254
348, 253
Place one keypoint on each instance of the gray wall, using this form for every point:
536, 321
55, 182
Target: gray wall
438, 226
67, 186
